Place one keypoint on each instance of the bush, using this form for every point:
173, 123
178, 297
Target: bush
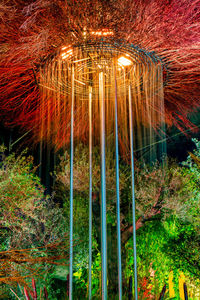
167, 205
33, 229
28, 215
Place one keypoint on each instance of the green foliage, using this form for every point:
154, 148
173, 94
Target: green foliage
161, 248
183, 248
96, 270
152, 262
192, 161
29, 220
165, 184
191, 170
27, 214
173, 244
168, 202
18, 182
81, 171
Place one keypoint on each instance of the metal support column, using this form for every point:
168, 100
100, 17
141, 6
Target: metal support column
103, 189
71, 193
133, 191
90, 193
118, 196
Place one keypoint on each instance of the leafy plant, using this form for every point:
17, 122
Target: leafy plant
81, 171
26, 214
159, 190
167, 206
33, 228
33, 292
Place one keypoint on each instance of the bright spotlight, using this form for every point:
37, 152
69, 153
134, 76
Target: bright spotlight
124, 61
67, 52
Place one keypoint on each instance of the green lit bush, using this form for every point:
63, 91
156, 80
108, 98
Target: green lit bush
27, 217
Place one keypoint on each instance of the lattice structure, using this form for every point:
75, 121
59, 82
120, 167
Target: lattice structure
142, 71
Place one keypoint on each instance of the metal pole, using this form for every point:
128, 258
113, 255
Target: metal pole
133, 191
90, 193
103, 189
40, 160
185, 291
162, 294
130, 288
118, 195
71, 193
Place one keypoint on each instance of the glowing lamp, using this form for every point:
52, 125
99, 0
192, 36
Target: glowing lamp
67, 53
124, 61
103, 32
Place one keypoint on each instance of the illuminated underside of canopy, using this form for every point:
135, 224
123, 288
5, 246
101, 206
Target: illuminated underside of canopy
134, 70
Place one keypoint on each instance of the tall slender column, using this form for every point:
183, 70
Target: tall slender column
118, 195
103, 189
90, 193
133, 191
40, 159
71, 193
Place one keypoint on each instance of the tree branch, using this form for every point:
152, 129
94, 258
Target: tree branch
155, 210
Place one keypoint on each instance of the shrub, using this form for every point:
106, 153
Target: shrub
28, 215
33, 229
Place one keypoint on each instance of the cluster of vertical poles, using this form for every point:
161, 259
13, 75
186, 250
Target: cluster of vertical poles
89, 81
103, 191
145, 74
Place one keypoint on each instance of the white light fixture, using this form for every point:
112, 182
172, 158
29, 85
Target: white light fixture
103, 32
124, 61
67, 53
